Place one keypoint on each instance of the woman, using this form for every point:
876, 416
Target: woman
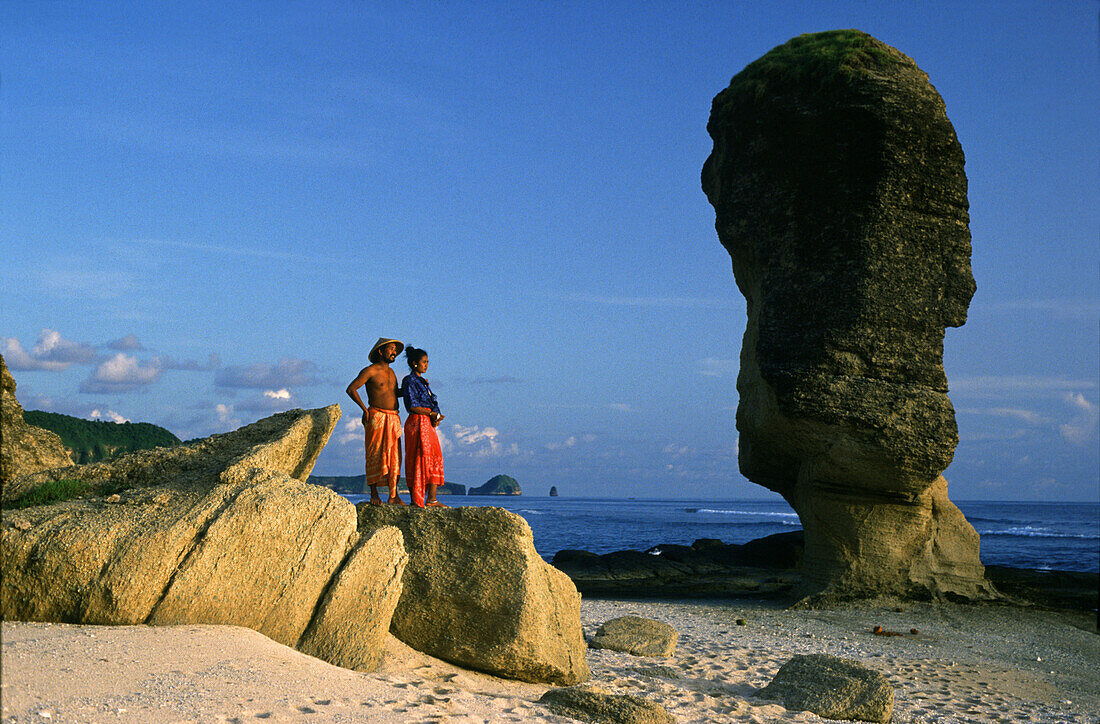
423, 456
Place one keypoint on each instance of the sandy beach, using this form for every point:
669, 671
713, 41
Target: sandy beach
965, 664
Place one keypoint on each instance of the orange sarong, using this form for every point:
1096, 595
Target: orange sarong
423, 457
383, 433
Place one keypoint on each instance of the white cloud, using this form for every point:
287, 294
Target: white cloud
1009, 384
714, 367
1016, 413
352, 432
621, 407
121, 373
226, 417
269, 401
109, 415
568, 442
480, 442
1066, 308
1082, 427
445, 443
51, 352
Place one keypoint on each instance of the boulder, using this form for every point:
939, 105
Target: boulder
586, 704
832, 688
24, 448
839, 192
637, 636
476, 593
225, 540
553, 491
288, 442
353, 619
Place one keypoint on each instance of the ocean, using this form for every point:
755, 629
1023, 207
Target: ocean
1049, 536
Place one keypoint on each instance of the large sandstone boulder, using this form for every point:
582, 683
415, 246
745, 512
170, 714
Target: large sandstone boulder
839, 191
24, 448
217, 532
476, 593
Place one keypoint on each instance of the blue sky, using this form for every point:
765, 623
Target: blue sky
210, 210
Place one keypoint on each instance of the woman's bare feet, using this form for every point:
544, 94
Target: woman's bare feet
435, 504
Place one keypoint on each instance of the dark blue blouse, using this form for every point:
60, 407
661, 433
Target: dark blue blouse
418, 393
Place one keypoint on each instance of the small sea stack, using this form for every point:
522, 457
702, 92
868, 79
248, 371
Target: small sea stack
553, 491
838, 186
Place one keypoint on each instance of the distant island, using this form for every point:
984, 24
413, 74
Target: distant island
553, 491
356, 485
498, 485
91, 441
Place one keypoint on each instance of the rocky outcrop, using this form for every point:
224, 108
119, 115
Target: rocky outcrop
24, 448
832, 688
476, 593
497, 485
591, 705
553, 491
637, 636
288, 442
221, 531
838, 186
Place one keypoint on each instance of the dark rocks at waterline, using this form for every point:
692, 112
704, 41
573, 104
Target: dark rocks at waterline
707, 568
498, 485
833, 688
839, 192
771, 567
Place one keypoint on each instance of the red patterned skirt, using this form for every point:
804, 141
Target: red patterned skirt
423, 457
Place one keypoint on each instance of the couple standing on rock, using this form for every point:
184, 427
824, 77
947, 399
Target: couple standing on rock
382, 424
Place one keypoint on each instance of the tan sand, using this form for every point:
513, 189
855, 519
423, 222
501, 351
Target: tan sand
966, 664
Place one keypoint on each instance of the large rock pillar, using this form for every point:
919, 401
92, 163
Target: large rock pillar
838, 187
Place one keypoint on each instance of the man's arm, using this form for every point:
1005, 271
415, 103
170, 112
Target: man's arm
353, 388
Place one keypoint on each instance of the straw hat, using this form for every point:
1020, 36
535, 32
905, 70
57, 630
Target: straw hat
382, 342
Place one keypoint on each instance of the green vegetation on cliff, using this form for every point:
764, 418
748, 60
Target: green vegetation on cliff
56, 491
95, 440
835, 56
498, 485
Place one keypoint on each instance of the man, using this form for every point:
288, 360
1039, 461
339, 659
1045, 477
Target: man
381, 422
